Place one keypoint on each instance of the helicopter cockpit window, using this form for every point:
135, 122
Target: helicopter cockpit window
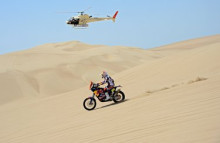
71, 19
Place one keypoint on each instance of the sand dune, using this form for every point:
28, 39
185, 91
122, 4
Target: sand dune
172, 93
52, 69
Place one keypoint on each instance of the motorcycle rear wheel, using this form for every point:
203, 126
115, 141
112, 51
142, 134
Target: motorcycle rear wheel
119, 97
89, 104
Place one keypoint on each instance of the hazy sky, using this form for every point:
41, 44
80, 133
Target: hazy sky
140, 23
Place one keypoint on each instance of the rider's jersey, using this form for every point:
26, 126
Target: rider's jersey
109, 81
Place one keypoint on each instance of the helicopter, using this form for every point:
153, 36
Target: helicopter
82, 20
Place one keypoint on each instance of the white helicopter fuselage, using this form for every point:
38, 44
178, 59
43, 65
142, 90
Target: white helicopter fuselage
83, 20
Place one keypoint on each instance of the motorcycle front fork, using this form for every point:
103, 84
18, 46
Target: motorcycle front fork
91, 99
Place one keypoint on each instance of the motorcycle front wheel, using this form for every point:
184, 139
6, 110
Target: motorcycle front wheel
89, 104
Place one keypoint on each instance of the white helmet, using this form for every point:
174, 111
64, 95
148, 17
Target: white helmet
104, 74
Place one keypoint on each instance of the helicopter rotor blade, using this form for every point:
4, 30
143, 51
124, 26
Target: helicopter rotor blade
76, 11
67, 12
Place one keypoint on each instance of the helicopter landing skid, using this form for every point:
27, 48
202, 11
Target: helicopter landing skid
84, 26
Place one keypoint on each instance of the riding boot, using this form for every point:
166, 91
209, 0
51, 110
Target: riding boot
107, 96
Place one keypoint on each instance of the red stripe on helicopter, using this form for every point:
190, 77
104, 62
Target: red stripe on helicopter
115, 14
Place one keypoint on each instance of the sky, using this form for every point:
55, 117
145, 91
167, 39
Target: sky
140, 23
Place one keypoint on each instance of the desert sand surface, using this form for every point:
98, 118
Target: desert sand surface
172, 93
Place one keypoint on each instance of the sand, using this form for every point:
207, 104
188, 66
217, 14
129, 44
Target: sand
172, 93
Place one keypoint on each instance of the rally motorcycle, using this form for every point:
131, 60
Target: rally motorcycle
116, 95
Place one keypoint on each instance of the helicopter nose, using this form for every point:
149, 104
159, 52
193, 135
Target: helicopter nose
67, 22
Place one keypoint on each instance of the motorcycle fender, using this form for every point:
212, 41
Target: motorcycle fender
90, 97
96, 93
117, 91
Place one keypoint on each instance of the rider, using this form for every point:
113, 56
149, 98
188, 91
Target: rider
110, 82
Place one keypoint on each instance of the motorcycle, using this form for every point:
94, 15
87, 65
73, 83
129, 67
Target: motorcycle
116, 95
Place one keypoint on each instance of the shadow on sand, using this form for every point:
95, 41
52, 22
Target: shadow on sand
112, 104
